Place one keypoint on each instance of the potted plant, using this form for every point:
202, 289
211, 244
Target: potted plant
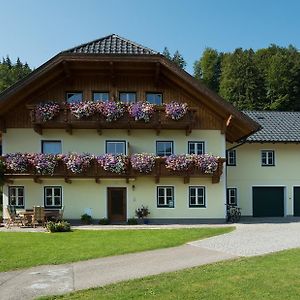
142, 213
86, 219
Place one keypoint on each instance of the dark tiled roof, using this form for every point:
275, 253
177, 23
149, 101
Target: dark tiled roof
277, 126
112, 44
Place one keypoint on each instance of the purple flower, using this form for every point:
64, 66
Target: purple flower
116, 163
44, 164
17, 162
77, 163
112, 111
182, 162
206, 163
176, 110
83, 109
141, 111
46, 111
143, 162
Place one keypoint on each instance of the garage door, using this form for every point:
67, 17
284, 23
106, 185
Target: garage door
297, 201
268, 201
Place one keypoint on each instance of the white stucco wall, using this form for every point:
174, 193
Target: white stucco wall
248, 172
85, 193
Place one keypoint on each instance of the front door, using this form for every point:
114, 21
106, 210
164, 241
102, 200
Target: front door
116, 204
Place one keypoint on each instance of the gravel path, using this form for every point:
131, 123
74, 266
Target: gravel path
255, 239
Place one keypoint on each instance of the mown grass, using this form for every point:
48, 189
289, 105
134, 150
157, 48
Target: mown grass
27, 249
274, 276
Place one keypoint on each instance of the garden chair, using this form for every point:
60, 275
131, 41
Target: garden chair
61, 214
12, 217
38, 216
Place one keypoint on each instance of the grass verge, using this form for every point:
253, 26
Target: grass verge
274, 276
27, 249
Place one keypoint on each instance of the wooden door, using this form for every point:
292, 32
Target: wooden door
116, 204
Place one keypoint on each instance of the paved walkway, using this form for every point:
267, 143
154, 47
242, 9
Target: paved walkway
247, 240
49, 280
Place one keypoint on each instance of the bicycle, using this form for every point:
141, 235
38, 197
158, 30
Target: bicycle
233, 213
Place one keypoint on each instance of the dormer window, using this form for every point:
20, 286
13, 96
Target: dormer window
127, 97
100, 96
73, 97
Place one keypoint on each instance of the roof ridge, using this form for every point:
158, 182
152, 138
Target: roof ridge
85, 44
110, 36
135, 43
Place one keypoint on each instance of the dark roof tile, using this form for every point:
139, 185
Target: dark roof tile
112, 44
277, 126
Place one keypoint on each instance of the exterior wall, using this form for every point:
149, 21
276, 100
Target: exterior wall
26, 140
85, 193
248, 172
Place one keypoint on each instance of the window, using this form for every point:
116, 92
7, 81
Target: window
53, 196
73, 97
165, 196
196, 148
115, 147
197, 196
231, 157
154, 98
16, 196
164, 148
267, 158
51, 147
128, 97
101, 96
232, 196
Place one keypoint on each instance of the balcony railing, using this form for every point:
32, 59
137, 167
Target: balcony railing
96, 172
159, 120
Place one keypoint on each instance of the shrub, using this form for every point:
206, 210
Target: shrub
103, 221
132, 221
142, 212
86, 219
61, 226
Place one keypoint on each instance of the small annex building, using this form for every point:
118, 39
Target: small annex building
263, 171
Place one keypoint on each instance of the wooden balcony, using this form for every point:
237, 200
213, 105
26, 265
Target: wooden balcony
159, 121
98, 173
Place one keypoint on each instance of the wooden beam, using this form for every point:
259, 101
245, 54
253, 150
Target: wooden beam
2, 125
68, 180
112, 73
157, 74
36, 179
66, 69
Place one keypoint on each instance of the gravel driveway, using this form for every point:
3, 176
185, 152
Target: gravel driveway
255, 239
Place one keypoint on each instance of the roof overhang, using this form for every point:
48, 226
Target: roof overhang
237, 125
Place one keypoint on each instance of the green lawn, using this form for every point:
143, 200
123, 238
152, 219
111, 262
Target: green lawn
275, 276
26, 249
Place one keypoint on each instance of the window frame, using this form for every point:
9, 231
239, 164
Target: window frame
197, 205
228, 158
165, 187
172, 145
53, 199
17, 195
51, 141
157, 93
73, 92
266, 164
102, 92
116, 141
228, 196
196, 142
128, 92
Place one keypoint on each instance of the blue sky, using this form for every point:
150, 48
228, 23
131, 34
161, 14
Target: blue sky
36, 30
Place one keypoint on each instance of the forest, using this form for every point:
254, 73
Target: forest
265, 79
